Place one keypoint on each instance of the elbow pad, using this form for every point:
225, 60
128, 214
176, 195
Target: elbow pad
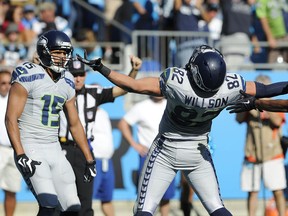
274, 89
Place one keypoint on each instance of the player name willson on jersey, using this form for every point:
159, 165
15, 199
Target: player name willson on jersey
206, 102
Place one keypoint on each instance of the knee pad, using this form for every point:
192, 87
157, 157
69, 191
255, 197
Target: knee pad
71, 205
48, 200
221, 212
143, 213
43, 211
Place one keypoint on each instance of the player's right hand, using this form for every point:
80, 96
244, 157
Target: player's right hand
95, 64
246, 103
27, 165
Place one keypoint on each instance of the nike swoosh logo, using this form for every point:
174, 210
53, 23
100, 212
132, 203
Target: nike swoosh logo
92, 173
20, 70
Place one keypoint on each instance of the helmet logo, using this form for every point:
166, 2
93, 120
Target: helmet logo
42, 41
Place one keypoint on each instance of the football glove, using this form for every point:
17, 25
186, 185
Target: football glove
90, 171
246, 103
95, 64
27, 165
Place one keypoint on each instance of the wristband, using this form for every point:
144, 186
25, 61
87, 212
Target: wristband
105, 71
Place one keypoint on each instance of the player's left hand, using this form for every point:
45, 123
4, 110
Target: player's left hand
95, 64
90, 171
246, 103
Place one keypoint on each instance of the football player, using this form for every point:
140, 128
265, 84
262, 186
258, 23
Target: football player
38, 93
195, 95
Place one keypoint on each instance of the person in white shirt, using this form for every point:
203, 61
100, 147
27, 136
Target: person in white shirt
147, 115
103, 150
8, 169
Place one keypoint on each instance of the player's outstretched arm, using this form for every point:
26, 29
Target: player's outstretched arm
147, 85
136, 64
260, 90
272, 105
249, 102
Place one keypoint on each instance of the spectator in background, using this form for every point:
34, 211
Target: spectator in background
146, 16
147, 116
103, 150
88, 98
264, 159
235, 35
31, 22
67, 10
12, 51
4, 7
32, 26
259, 53
272, 19
188, 13
86, 40
213, 23
166, 20
49, 20
10, 177
14, 15
123, 15
94, 21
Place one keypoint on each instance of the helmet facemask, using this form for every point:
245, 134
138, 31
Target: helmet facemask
48, 45
60, 64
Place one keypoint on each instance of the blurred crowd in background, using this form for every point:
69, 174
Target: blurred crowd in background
251, 31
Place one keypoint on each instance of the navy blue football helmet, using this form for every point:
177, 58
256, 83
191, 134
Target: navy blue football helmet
54, 40
208, 68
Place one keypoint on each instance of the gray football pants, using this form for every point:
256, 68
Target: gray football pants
54, 179
164, 159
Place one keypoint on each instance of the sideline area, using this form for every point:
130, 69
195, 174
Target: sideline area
124, 208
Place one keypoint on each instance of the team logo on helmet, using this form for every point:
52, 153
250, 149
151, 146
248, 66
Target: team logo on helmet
43, 41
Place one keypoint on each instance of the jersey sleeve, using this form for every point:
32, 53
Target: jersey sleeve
164, 81
69, 79
234, 83
25, 76
104, 95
